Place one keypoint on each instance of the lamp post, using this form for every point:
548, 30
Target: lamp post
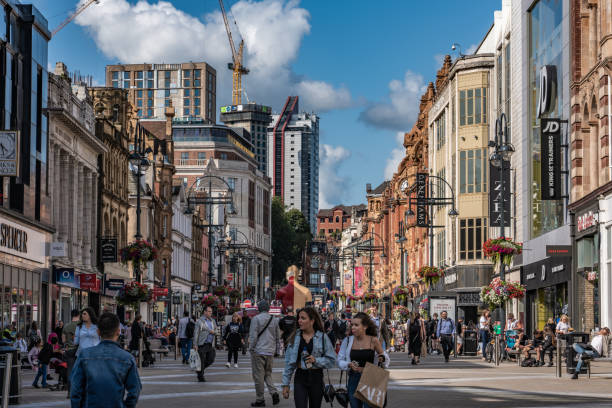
371, 248
400, 240
502, 152
140, 164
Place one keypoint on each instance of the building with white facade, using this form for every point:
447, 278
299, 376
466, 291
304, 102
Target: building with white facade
225, 153
293, 159
182, 242
73, 178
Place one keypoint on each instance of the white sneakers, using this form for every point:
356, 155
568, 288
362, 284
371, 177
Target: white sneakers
236, 365
228, 365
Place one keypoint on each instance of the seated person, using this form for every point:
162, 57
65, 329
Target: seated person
548, 346
597, 348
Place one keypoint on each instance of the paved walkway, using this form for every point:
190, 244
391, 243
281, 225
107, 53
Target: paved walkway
460, 383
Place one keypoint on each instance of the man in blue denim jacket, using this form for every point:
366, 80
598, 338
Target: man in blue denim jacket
105, 375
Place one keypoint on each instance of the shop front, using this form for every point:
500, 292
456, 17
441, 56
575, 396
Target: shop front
467, 282
587, 272
23, 264
71, 290
547, 286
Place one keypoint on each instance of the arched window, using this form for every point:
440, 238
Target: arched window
114, 232
106, 227
337, 219
123, 234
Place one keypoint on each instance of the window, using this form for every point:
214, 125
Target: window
186, 102
139, 79
187, 92
186, 112
472, 234
115, 79
186, 82
473, 171
126, 79
440, 130
196, 102
184, 155
196, 92
187, 73
197, 73
201, 155
473, 106
150, 79
337, 219
507, 85
441, 244
223, 156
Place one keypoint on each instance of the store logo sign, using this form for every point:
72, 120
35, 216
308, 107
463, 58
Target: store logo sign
550, 169
421, 182
543, 276
588, 220
547, 94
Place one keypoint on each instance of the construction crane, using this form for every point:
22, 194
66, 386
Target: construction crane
73, 16
238, 70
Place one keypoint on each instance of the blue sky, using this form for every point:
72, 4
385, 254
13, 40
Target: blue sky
361, 64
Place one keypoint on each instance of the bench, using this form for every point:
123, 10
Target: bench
156, 348
598, 360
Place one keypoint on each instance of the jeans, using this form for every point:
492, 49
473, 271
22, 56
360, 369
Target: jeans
186, 345
308, 395
447, 344
591, 354
262, 375
42, 371
353, 382
484, 339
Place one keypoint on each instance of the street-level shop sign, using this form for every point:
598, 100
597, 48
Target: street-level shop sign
20, 241
587, 220
550, 168
88, 281
558, 250
114, 284
66, 277
57, 249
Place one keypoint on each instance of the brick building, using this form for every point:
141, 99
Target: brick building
331, 222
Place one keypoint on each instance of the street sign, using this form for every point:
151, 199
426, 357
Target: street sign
246, 304
230, 277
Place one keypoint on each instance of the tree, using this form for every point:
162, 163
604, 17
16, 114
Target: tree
290, 232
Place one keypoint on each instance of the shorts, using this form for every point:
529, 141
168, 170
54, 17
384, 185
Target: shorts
459, 340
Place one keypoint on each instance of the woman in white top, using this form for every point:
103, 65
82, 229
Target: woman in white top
563, 326
483, 331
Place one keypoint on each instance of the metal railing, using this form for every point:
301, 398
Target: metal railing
6, 363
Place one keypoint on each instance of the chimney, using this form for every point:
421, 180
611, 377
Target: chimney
368, 188
61, 69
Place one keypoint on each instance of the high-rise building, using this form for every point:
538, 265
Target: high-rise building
293, 159
255, 119
190, 87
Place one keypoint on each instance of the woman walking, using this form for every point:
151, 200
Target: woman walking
233, 339
358, 349
86, 334
309, 352
417, 335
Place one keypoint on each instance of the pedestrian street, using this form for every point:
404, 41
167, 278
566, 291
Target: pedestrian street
465, 382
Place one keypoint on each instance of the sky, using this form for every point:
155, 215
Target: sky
361, 65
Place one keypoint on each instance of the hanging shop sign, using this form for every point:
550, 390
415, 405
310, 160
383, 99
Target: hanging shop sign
108, 250
9, 153
499, 195
421, 182
547, 94
66, 277
114, 284
587, 220
550, 168
18, 240
88, 281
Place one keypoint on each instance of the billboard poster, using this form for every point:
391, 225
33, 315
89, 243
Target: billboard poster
551, 159
358, 279
499, 195
439, 305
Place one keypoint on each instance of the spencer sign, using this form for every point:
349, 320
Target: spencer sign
20, 241
13, 238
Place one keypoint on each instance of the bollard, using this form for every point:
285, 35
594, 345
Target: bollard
559, 371
495, 350
140, 353
176, 346
7, 380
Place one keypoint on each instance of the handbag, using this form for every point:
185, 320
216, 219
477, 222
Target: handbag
194, 360
329, 392
341, 394
372, 387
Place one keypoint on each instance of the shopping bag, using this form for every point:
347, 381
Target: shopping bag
423, 349
194, 360
372, 387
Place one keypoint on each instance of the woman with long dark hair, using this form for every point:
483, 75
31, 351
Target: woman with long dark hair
233, 339
416, 333
86, 334
309, 352
358, 349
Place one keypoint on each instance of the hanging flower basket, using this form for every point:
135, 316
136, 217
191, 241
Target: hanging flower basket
501, 250
220, 291
352, 300
133, 293
401, 313
234, 294
234, 309
337, 295
370, 297
498, 292
138, 253
400, 294
211, 300
430, 274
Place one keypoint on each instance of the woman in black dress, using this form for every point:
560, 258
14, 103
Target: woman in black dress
416, 334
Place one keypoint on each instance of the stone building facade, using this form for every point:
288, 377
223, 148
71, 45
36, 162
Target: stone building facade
591, 174
74, 150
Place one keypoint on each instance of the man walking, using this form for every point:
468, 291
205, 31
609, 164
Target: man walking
287, 325
186, 328
68, 340
445, 331
264, 338
204, 341
105, 375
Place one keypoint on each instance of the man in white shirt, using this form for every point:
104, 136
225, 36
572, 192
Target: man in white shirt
511, 322
598, 348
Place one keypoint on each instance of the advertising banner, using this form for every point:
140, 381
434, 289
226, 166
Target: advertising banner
499, 196
421, 182
358, 279
550, 169
66, 277
88, 281
439, 305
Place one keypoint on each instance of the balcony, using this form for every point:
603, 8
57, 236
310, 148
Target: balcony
192, 162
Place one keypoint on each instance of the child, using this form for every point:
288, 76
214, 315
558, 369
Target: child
33, 357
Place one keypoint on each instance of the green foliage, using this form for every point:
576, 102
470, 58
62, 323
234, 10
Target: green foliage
290, 232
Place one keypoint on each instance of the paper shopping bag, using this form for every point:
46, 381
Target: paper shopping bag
372, 387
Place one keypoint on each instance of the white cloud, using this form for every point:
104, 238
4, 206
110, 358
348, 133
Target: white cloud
331, 185
471, 49
157, 32
397, 155
400, 111
439, 58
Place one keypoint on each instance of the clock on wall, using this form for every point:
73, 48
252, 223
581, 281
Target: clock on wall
9, 152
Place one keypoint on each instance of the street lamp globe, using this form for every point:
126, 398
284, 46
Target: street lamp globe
506, 151
496, 159
409, 213
135, 159
453, 213
144, 165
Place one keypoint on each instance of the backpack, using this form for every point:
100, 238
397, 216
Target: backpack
528, 362
415, 327
342, 330
190, 329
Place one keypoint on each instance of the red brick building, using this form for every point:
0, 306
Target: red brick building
331, 222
